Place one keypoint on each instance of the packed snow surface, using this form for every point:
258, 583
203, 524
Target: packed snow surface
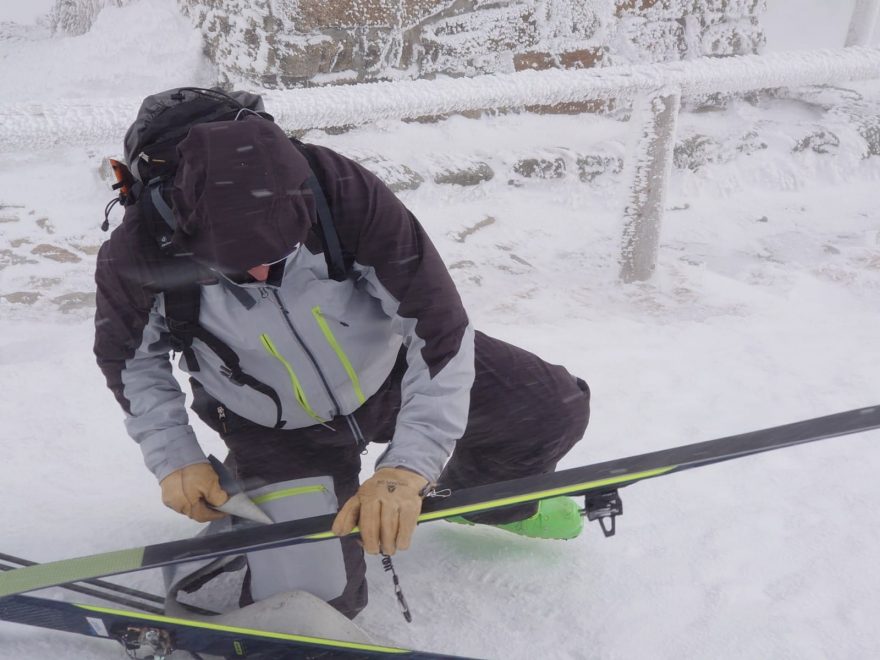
763, 311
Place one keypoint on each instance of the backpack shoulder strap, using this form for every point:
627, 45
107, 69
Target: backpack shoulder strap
328, 234
155, 214
182, 305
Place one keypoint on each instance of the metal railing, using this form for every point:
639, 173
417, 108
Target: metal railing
657, 88
863, 22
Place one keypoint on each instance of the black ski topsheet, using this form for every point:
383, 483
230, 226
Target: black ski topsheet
591, 479
190, 636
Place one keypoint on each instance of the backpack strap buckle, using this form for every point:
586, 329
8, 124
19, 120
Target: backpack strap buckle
233, 376
180, 337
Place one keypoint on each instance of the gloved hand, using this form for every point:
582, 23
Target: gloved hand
386, 508
188, 489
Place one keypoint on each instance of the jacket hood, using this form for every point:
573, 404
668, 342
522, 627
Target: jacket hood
240, 197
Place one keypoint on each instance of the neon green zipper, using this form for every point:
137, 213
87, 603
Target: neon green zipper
300, 393
289, 492
340, 354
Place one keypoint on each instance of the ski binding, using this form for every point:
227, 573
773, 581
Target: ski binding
155, 642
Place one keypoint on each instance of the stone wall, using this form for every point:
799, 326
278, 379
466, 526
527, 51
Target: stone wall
286, 43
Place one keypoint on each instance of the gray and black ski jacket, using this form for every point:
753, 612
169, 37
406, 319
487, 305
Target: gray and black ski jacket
323, 346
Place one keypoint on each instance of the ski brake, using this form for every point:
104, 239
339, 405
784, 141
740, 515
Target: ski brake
603, 506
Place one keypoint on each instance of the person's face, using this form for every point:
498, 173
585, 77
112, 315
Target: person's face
260, 273
257, 273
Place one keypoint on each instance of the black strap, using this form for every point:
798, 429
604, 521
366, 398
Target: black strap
329, 237
231, 364
182, 304
157, 188
156, 214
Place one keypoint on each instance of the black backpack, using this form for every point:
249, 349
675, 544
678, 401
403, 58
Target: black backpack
163, 121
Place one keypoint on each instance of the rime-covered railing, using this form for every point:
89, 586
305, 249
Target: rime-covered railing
34, 125
658, 87
863, 22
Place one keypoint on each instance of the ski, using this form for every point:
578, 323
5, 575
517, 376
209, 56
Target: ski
155, 636
108, 596
598, 483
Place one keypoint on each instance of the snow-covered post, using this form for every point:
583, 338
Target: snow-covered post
862, 23
651, 165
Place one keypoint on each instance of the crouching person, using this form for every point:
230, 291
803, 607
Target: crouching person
313, 316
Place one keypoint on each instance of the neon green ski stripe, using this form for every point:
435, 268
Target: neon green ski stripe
288, 492
265, 634
522, 499
71, 570
298, 390
343, 358
539, 495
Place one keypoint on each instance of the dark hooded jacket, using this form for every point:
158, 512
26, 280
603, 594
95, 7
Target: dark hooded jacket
240, 198
323, 346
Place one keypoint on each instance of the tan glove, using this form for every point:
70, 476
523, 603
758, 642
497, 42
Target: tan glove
386, 508
188, 489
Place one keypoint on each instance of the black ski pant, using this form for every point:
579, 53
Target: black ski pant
525, 414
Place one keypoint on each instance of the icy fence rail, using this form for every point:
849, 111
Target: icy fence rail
658, 89
34, 126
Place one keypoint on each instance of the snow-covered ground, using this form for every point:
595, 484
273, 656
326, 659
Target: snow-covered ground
763, 310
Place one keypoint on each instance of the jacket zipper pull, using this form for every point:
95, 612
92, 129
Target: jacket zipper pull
221, 415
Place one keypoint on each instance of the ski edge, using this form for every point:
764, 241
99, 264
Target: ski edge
254, 632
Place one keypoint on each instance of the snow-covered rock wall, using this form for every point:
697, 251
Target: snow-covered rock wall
288, 43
